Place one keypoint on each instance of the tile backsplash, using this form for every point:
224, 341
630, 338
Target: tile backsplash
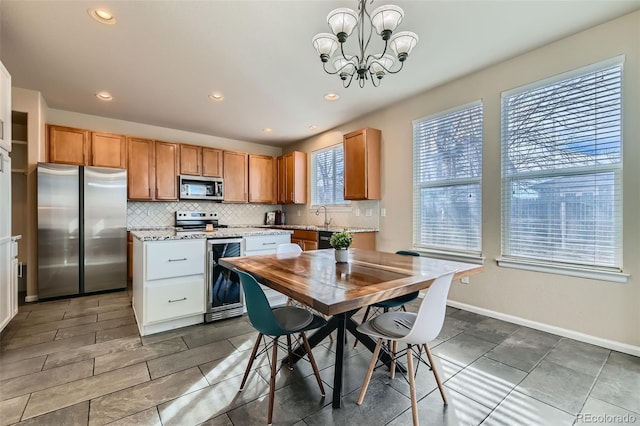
153, 214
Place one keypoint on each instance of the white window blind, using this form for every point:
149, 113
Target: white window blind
447, 170
562, 169
327, 176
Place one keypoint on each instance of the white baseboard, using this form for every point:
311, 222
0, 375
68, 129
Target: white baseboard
29, 299
582, 337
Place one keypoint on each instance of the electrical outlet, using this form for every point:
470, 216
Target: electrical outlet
368, 212
298, 212
383, 212
464, 280
357, 211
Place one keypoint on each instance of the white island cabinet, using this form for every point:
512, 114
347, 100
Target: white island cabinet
168, 284
267, 244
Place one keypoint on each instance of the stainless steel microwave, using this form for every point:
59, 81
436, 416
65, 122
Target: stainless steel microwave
201, 188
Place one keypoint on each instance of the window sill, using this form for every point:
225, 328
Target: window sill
574, 271
448, 255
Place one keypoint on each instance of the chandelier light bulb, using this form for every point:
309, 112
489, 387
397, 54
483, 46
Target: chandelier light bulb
386, 19
325, 45
342, 22
403, 43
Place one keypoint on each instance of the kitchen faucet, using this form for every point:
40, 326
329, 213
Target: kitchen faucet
326, 222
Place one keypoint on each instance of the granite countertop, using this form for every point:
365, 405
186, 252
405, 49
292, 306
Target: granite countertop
351, 229
172, 234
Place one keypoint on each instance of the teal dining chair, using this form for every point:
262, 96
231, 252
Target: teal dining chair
273, 324
396, 302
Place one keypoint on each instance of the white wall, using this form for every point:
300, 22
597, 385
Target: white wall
605, 312
129, 128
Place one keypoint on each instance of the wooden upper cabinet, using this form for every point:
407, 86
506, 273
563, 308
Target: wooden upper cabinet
67, 145
108, 150
140, 169
262, 174
235, 177
167, 166
292, 178
190, 160
211, 162
281, 179
362, 151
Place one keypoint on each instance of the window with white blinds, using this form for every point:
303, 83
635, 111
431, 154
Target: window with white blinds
562, 169
447, 170
327, 176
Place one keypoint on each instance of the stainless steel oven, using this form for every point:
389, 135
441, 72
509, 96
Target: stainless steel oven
224, 293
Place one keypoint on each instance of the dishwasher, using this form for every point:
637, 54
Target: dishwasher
323, 239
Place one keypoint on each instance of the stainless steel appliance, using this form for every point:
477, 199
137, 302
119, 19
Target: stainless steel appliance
201, 188
82, 230
224, 295
323, 239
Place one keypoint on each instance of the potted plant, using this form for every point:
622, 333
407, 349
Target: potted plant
341, 241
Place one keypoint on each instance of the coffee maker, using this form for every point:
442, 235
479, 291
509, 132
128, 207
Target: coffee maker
279, 217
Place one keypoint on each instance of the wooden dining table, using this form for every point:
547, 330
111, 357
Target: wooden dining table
339, 290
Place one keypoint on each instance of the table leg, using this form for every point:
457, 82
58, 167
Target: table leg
337, 375
341, 322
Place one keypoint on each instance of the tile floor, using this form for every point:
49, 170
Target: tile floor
81, 361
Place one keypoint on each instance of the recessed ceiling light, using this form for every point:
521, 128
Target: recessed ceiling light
267, 130
102, 15
104, 96
332, 96
216, 96
313, 128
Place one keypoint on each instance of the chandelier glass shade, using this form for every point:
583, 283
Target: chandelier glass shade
363, 65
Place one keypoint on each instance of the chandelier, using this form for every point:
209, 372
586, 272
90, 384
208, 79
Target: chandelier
364, 65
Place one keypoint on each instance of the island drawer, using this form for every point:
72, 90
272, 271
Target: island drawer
265, 242
174, 299
176, 258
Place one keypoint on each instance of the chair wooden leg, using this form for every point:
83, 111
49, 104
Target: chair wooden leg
251, 359
435, 373
394, 350
367, 378
312, 360
364, 319
272, 381
412, 386
290, 355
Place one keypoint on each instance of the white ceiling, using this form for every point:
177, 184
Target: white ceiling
163, 58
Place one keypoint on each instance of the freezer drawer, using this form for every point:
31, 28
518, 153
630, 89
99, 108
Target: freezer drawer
168, 259
168, 300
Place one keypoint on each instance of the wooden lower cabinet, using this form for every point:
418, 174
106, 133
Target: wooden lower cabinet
307, 240
364, 240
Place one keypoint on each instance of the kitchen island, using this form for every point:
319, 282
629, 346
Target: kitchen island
170, 273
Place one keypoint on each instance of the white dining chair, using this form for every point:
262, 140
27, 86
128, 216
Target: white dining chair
288, 248
416, 330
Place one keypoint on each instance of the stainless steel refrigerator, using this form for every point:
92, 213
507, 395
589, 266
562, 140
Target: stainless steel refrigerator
82, 229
